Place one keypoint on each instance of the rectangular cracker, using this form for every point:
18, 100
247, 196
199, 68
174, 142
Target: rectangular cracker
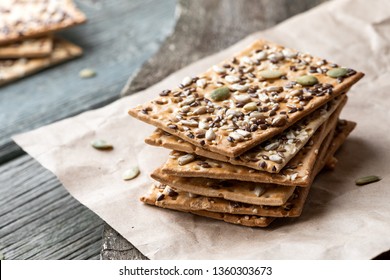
271, 155
180, 200
246, 192
29, 48
14, 69
253, 221
298, 172
20, 19
279, 102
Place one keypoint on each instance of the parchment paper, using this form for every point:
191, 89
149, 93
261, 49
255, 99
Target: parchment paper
339, 221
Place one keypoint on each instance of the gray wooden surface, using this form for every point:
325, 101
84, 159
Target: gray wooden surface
38, 218
203, 27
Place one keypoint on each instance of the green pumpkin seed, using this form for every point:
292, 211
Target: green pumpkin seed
337, 72
100, 144
367, 180
130, 173
271, 74
220, 94
307, 80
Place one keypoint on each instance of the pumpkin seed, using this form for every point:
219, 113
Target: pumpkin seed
131, 173
367, 180
87, 73
100, 144
307, 80
337, 72
220, 94
271, 74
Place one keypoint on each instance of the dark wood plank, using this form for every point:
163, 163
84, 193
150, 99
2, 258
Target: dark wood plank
119, 36
40, 220
204, 27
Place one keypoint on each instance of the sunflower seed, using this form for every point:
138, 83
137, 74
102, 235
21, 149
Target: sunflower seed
276, 56
252, 106
131, 173
210, 134
239, 87
279, 121
367, 180
274, 89
232, 79
275, 158
186, 81
289, 53
189, 100
271, 74
261, 55
87, 73
187, 158
219, 70
236, 136
203, 125
201, 110
243, 133
100, 144
160, 197
201, 83
244, 98
271, 146
259, 191
191, 123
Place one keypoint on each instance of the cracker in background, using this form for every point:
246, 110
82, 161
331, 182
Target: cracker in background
298, 172
250, 105
14, 69
30, 48
20, 19
271, 155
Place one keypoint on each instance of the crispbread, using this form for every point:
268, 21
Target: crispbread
245, 220
14, 69
271, 155
246, 192
298, 172
20, 19
37, 47
279, 102
182, 201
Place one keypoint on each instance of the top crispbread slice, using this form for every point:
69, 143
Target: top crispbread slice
20, 19
36, 47
298, 172
270, 156
249, 107
13, 69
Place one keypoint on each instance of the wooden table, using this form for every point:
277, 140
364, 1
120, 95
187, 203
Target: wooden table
39, 219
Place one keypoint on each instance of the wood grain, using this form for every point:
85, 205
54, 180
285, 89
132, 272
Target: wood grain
118, 37
203, 27
38, 218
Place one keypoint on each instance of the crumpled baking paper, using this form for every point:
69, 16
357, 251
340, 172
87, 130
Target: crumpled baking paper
339, 221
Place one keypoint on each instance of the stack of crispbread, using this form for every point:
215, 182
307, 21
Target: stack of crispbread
27, 44
249, 135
